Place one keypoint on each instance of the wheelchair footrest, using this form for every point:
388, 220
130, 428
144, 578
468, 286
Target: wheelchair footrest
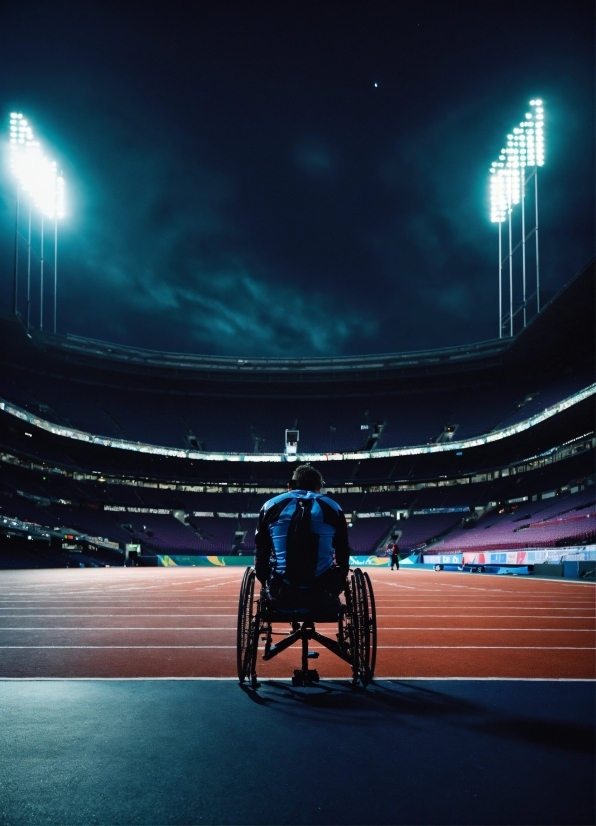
305, 677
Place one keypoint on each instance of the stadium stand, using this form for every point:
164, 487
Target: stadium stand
411, 416
572, 519
413, 402
419, 531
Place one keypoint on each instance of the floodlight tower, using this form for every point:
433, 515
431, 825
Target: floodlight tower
508, 181
39, 177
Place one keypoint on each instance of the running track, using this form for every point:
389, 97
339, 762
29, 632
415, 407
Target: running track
181, 622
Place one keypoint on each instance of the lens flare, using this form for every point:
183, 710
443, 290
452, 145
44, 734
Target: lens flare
36, 174
524, 148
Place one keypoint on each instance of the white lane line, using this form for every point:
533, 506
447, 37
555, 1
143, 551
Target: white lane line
114, 589
490, 630
441, 589
379, 615
498, 647
121, 628
468, 614
225, 611
152, 614
476, 608
497, 600
233, 628
157, 613
392, 647
514, 606
124, 602
439, 605
36, 647
378, 679
116, 603
446, 576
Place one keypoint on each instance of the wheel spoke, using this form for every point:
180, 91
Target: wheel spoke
373, 625
363, 626
247, 634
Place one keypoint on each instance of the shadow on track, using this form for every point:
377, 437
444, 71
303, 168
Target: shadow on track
408, 702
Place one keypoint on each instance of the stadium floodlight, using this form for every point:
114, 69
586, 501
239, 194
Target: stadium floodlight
499, 192
35, 174
524, 150
39, 178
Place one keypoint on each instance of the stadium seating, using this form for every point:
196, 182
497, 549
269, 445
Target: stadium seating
571, 519
185, 505
325, 425
418, 531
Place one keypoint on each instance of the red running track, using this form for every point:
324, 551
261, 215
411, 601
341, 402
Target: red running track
181, 622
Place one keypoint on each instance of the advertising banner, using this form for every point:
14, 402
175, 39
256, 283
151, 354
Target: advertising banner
202, 561
369, 561
528, 557
168, 561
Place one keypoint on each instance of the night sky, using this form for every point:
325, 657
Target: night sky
294, 178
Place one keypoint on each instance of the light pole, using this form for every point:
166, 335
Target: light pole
41, 278
19, 134
16, 254
39, 177
58, 213
508, 181
29, 269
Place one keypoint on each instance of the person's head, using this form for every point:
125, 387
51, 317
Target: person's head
306, 477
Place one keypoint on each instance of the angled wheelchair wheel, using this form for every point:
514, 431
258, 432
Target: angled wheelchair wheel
372, 625
247, 639
363, 621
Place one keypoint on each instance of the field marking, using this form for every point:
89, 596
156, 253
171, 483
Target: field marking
439, 605
391, 647
122, 628
233, 628
377, 680
379, 615
118, 589
489, 630
102, 647
499, 647
156, 612
152, 614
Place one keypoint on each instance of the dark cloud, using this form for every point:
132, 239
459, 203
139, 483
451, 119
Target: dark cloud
237, 185
313, 157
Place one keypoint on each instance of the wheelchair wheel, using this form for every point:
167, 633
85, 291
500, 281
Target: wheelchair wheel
247, 639
372, 625
364, 625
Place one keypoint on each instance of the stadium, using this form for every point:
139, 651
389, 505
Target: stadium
458, 452
475, 459
297, 404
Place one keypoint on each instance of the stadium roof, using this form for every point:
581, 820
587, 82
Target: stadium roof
568, 318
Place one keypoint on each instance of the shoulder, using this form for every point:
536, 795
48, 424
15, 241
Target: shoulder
282, 497
330, 502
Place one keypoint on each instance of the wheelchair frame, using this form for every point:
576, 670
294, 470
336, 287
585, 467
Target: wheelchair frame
355, 643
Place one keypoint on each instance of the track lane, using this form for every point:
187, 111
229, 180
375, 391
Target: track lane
181, 623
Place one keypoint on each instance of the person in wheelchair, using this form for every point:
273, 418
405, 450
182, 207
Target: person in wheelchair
302, 554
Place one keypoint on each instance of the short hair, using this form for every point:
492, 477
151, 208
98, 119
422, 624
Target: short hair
306, 477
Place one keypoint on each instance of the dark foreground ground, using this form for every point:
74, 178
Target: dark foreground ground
208, 752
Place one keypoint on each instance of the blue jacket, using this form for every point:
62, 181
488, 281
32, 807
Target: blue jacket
300, 535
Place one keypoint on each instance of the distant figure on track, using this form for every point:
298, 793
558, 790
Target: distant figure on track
395, 555
302, 554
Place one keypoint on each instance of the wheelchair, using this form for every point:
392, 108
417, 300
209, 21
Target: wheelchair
355, 643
